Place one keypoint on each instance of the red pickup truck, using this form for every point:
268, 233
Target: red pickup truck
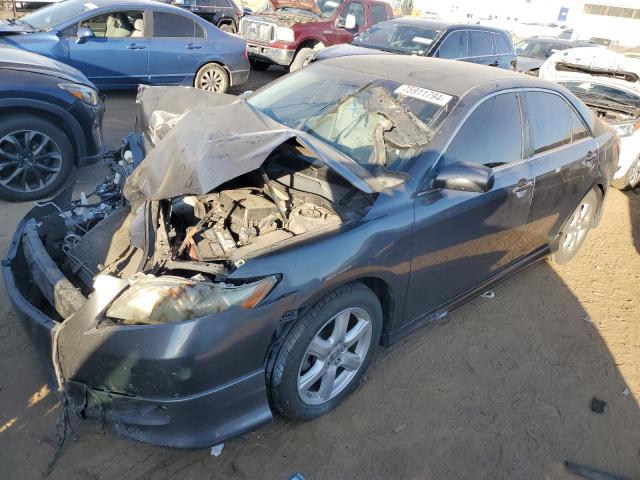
287, 31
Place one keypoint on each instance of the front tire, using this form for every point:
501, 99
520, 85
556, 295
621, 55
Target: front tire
302, 59
36, 158
212, 77
575, 229
323, 357
227, 28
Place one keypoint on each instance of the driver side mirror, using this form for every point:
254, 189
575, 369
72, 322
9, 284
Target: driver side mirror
465, 177
84, 34
348, 23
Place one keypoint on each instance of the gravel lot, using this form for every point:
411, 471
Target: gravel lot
500, 389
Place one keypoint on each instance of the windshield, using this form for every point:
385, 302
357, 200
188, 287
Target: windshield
374, 121
527, 48
397, 38
604, 93
328, 7
51, 16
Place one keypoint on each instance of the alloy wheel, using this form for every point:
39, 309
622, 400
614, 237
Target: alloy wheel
211, 80
577, 227
334, 356
29, 161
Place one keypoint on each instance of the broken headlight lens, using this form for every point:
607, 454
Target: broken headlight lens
156, 300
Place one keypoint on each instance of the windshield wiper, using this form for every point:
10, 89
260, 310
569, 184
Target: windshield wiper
604, 102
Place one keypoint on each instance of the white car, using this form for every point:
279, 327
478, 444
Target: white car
609, 83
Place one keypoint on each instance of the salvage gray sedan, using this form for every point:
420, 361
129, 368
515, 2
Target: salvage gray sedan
263, 247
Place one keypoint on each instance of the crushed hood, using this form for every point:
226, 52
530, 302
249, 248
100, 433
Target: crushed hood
195, 141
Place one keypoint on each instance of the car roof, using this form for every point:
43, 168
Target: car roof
441, 24
448, 76
132, 3
559, 41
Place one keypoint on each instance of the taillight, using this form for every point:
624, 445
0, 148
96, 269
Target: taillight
245, 55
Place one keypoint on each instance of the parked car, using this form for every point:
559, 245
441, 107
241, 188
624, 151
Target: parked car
430, 38
287, 32
532, 52
50, 121
121, 44
368, 195
609, 84
224, 14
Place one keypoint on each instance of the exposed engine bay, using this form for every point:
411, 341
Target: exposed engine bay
290, 196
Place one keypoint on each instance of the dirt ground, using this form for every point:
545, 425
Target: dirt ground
500, 389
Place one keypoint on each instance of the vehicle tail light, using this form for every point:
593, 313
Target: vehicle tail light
245, 55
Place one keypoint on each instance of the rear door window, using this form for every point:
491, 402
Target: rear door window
175, 26
378, 13
491, 135
480, 44
454, 45
549, 121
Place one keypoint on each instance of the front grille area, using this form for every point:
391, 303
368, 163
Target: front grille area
257, 30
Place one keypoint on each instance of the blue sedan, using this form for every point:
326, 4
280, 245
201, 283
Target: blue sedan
122, 43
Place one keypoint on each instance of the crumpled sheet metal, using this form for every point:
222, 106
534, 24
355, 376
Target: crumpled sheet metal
213, 142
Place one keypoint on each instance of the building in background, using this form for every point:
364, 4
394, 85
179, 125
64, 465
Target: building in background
617, 21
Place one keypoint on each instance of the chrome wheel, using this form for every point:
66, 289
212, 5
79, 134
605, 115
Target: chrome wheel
334, 356
29, 161
577, 227
212, 80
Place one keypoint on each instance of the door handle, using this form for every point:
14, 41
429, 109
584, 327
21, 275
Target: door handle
521, 188
191, 46
135, 46
590, 158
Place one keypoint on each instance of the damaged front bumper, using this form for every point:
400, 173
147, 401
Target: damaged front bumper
191, 384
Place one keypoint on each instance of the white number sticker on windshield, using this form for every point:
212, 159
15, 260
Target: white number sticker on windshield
424, 94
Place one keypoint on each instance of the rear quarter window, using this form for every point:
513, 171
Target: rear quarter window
503, 47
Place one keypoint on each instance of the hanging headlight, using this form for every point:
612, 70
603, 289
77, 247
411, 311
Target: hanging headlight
625, 129
156, 300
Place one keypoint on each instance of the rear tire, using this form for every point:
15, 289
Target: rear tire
575, 229
212, 77
630, 179
258, 65
302, 59
344, 327
36, 158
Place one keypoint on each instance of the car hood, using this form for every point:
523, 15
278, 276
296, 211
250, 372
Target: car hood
592, 62
529, 63
344, 50
7, 28
195, 141
15, 59
310, 5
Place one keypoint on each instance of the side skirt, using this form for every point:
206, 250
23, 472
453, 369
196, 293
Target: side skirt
445, 308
